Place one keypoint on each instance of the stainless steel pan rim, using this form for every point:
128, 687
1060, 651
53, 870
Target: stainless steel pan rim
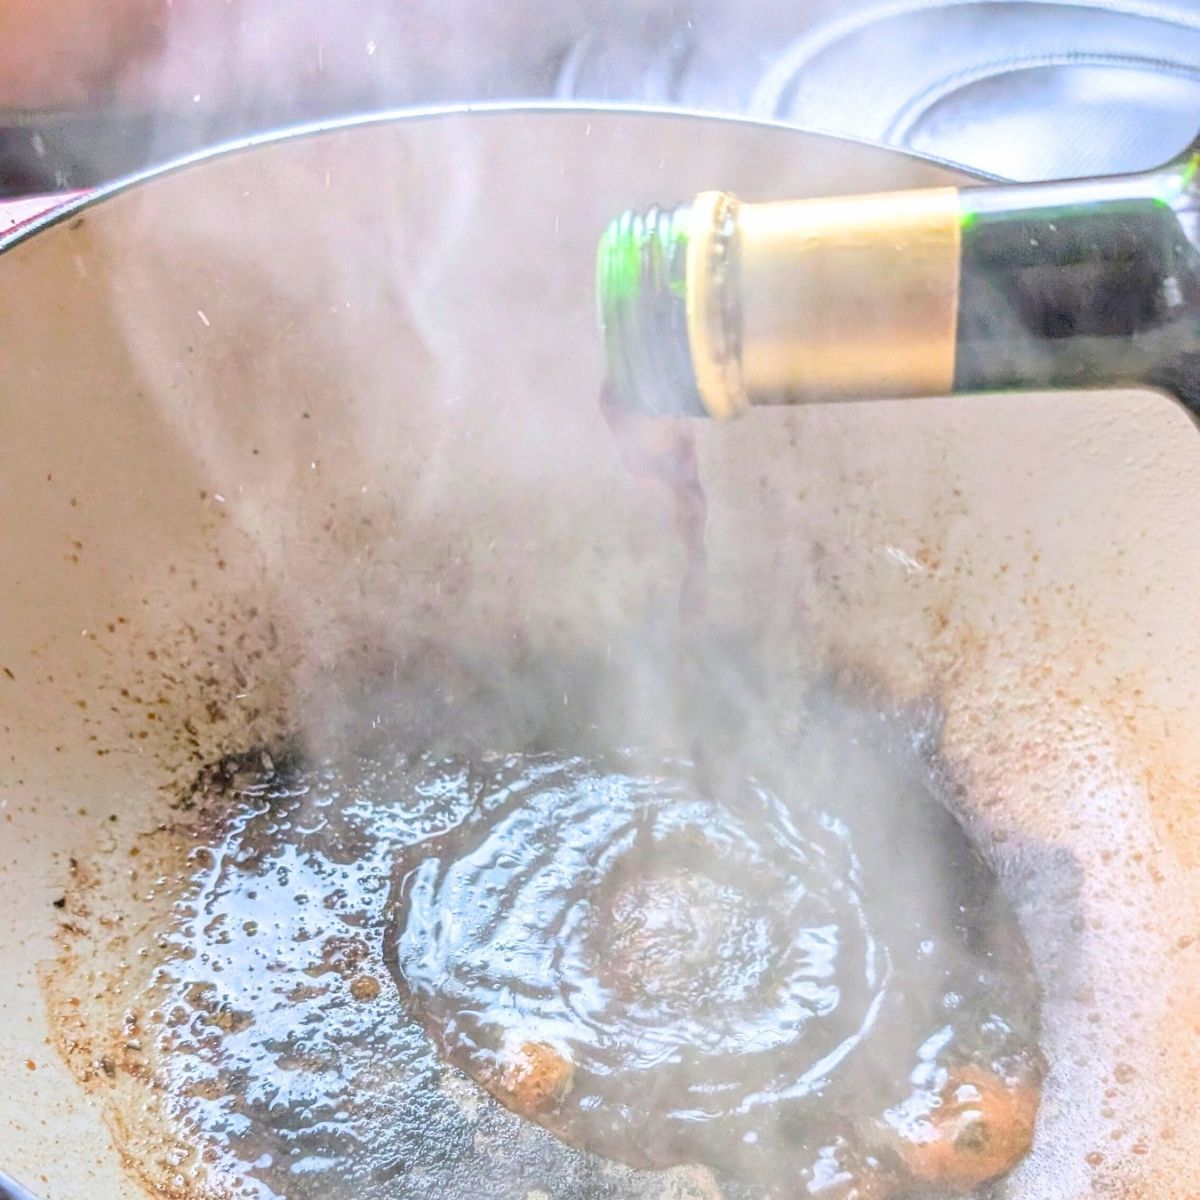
437, 112
10, 1189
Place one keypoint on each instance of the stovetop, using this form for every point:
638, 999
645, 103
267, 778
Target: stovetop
1019, 88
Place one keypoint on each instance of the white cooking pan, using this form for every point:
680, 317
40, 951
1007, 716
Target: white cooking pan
276, 421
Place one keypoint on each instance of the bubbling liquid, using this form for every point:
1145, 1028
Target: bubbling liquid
806, 979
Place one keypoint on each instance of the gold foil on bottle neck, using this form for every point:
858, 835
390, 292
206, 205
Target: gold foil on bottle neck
712, 297
841, 298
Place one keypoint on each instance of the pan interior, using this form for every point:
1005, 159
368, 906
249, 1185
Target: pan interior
245, 1032
266, 480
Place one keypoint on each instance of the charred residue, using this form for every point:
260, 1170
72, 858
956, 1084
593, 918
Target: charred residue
225, 995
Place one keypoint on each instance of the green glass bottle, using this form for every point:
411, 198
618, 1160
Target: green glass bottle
718, 305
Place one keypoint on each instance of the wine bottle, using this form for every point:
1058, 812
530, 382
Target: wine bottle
717, 305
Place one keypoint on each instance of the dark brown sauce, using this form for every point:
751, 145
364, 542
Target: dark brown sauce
237, 1025
811, 978
241, 1025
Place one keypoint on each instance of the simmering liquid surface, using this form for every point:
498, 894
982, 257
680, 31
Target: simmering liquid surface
221, 992
667, 965
784, 965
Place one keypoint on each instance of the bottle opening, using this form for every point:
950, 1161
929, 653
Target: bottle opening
641, 286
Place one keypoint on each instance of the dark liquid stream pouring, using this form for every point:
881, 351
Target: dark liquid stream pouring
663, 452
787, 962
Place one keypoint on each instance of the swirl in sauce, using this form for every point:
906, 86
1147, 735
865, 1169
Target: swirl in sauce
811, 981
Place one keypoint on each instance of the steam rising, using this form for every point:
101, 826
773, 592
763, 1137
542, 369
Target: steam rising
353, 382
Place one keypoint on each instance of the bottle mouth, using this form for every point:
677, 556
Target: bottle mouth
641, 292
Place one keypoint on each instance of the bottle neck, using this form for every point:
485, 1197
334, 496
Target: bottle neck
1091, 283
1085, 283
641, 292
